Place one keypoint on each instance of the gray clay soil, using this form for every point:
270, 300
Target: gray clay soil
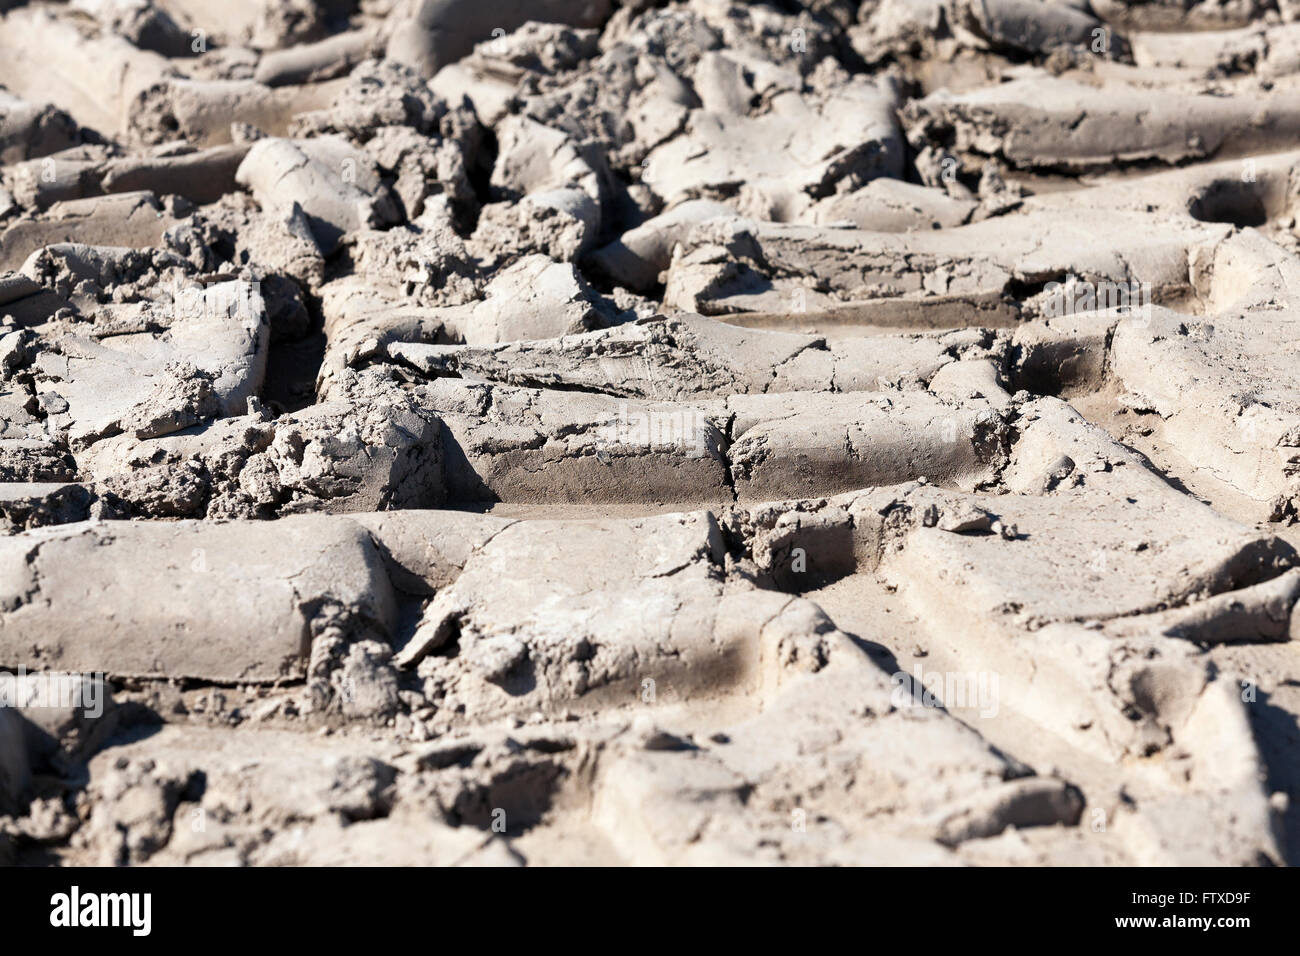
449, 432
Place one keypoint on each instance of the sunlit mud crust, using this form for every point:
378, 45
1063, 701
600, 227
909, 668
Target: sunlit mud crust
448, 432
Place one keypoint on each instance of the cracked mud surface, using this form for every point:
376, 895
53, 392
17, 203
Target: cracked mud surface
582, 431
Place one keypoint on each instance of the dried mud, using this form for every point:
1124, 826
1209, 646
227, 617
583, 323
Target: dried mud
436, 432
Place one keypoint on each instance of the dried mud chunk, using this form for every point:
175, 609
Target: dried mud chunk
1036, 122
637, 257
231, 602
801, 445
340, 456
897, 783
545, 640
514, 444
310, 63
28, 131
295, 782
1020, 804
26, 302
642, 100
1023, 25
426, 552
443, 31
1222, 388
45, 58
1216, 555
507, 444
181, 397
1261, 613
928, 279
90, 276
1180, 14
1048, 632
891, 205
129, 219
66, 717
423, 265
202, 176
125, 382
535, 298
132, 813
758, 34
377, 94
235, 233
1063, 353
182, 475
489, 77
361, 329
142, 22
557, 178
72, 173
202, 112
333, 457
25, 505
306, 800
335, 184
35, 460
559, 225
534, 157
403, 277
688, 356
837, 143
428, 168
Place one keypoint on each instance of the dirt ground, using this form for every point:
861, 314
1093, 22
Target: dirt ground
571, 432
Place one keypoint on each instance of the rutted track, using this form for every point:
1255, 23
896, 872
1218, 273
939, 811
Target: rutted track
438, 432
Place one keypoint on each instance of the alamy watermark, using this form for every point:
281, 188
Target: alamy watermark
237, 299
1077, 295
84, 692
962, 689
73, 909
657, 431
